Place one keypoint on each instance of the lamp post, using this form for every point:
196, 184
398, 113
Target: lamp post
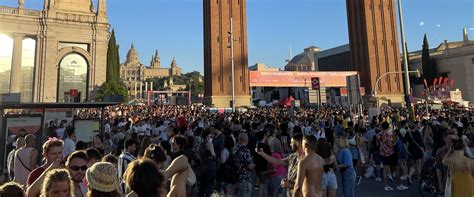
232, 64
405, 62
394, 72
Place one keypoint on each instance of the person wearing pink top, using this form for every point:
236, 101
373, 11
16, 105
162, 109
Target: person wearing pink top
276, 172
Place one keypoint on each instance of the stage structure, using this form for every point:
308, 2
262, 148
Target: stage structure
165, 97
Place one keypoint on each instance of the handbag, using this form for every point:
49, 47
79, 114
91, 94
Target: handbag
191, 180
447, 188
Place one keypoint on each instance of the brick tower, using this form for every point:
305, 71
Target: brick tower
373, 39
217, 53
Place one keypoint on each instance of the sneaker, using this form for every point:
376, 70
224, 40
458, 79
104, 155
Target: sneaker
378, 179
390, 178
403, 178
359, 178
388, 188
402, 188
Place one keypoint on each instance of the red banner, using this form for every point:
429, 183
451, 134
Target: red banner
362, 91
315, 83
73, 92
297, 79
343, 91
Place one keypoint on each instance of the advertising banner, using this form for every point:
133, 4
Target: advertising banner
297, 79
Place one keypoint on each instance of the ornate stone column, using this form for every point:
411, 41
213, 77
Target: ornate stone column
141, 90
15, 75
135, 92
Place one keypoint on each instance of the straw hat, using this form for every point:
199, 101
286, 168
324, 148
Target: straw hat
102, 176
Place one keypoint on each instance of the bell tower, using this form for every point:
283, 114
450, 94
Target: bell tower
217, 53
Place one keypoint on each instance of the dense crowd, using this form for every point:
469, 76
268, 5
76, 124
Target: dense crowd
187, 150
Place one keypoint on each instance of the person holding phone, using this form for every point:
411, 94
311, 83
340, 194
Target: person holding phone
53, 153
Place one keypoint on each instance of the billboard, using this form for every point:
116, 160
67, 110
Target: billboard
297, 79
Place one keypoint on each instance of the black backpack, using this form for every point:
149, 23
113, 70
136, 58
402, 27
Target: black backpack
229, 170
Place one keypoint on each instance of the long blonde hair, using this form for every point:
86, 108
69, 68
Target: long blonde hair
54, 176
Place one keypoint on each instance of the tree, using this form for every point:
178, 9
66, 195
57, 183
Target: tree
192, 80
113, 86
429, 67
113, 62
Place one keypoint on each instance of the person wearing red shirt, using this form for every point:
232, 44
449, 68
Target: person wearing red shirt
52, 151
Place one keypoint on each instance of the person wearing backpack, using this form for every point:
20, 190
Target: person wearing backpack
228, 170
208, 165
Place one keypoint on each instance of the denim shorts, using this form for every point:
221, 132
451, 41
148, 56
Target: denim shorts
329, 181
354, 153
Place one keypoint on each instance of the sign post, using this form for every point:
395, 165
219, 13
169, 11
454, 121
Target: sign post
316, 85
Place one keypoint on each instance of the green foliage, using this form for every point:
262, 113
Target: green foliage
112, 88
113, 62
429, 65
192, 80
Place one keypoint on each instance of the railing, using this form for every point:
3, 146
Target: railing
32, 12
8, 10
15, 11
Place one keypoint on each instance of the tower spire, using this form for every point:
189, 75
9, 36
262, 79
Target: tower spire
465, 36
102, 11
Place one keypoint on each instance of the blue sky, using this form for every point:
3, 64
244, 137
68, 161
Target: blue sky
174, 27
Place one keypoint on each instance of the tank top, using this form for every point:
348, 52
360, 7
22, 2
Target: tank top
21, 173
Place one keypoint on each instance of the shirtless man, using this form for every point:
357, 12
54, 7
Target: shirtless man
178, 168
310, 171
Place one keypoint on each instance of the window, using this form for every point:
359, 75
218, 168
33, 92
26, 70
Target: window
472, 60
6, 55
69, 44
27, 69
72, 75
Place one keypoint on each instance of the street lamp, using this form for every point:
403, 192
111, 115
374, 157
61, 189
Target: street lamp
231, 33
396, 72
405, 62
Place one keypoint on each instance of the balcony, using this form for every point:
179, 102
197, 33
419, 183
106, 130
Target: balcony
15, 11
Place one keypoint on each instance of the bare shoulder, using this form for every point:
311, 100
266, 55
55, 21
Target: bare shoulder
305, 160
320, 160
182, 158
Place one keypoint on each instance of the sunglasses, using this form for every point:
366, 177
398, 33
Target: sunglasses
77, 168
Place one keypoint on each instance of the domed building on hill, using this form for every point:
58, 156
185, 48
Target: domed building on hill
134, 74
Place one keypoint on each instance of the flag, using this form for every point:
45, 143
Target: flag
426, 83
434, 82
440, 80
451, 84
445, 81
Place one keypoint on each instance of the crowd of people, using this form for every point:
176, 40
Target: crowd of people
189, 151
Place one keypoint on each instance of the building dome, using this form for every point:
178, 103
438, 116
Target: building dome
173, 63
132, 55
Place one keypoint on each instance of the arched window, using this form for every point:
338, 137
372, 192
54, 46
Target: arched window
73, 76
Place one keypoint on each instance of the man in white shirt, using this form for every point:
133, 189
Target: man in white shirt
60, 131
125, 158
69, 142
107, 127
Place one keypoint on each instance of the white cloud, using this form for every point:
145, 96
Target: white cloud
422, 23
471, 29
438, 25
